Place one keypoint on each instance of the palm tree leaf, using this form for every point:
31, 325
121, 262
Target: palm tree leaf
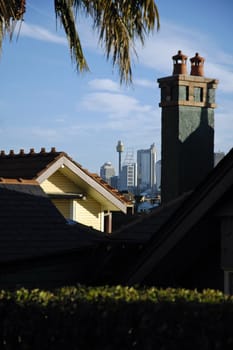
64, 11
120, 23
11, 11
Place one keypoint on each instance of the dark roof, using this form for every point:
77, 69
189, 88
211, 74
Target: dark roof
194, 208
143, 226
119, 252
174, 238
31, 226
30, 165
26, 165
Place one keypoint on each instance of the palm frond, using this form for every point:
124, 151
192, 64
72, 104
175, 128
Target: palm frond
120, 23
65, 12
11, 11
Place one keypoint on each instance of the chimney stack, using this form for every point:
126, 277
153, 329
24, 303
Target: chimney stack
187, 103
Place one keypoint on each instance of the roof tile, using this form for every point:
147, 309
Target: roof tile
29, 166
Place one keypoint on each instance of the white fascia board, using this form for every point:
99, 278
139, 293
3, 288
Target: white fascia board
50, 170
63, 161
92, 183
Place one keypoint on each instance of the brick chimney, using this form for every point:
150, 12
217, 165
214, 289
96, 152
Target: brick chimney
187, 103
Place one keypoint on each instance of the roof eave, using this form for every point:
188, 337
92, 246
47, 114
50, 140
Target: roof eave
62, 160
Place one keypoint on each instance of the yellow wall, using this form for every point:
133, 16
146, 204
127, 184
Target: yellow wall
58, 183
63, 205
87, 212
84, 215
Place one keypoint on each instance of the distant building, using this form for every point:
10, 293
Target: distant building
128, 179
114, 181
158, 175
107, 171
146, 175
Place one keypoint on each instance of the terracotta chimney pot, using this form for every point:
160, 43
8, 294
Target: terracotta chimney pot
197, 65
179, 63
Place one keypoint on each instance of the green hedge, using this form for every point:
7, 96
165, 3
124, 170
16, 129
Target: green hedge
115, 318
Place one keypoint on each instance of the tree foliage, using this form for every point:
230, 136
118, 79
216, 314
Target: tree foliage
119, 23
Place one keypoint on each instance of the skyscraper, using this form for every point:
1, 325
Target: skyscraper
146, 159
128, 175
158, 175
107, 171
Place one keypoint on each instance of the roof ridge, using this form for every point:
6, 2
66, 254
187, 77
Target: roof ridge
31, 152
52, 157
97, 178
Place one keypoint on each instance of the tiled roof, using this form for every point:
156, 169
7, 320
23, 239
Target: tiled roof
109, 188
142, 228
30, 165
25, 165
31, 226
144, 244
206, 197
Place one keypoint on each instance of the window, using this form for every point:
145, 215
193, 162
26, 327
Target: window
211, 96
187, 93
198, 94
183, 93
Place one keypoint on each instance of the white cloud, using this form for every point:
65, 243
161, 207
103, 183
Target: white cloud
225, 76
144, 83
125, 117
40, 33
113, 104
104, 84
159, 49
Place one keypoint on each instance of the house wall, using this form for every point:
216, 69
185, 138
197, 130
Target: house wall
87, 212
63, 205
58, 183
84, 215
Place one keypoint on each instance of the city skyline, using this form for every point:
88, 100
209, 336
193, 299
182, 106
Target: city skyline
136, 175
44, 103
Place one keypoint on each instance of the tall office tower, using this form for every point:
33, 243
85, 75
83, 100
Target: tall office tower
146, 159
107, 171
128, 175
187, 103
158, 175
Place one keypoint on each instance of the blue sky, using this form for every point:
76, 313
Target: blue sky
45, 103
